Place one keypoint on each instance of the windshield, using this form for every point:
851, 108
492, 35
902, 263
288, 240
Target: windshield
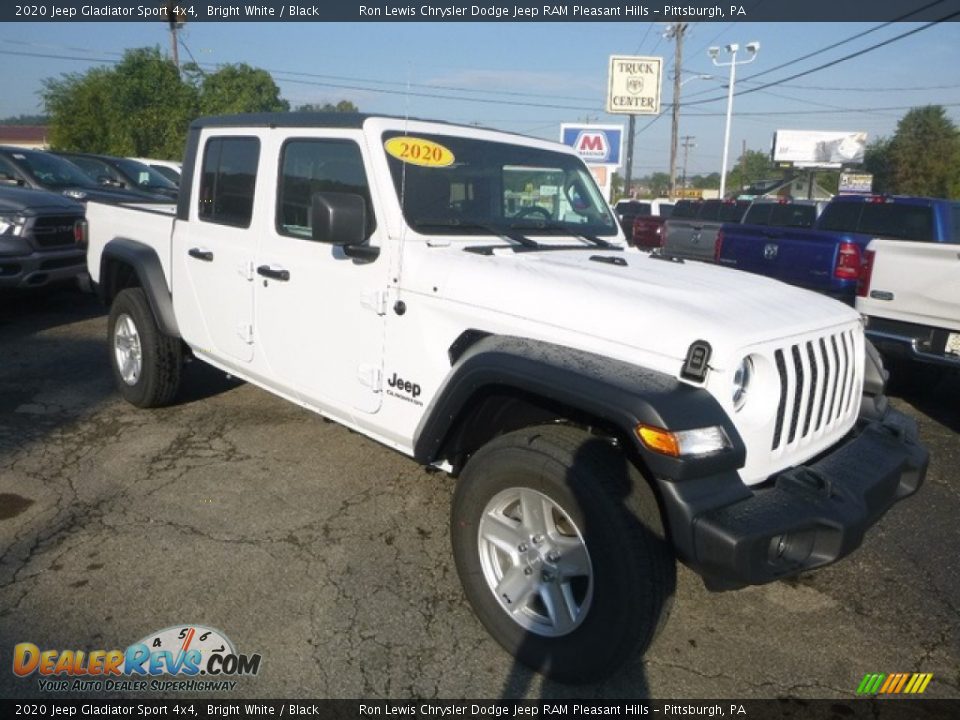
145, 177
52, 171
455, 184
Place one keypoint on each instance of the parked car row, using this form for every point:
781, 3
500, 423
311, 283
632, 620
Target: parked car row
894, 257
42, 196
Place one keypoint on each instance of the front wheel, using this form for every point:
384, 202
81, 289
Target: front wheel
146, 363
558, 543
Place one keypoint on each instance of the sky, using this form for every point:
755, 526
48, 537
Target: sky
531, 77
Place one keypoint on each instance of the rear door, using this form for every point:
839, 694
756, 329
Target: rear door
213, 252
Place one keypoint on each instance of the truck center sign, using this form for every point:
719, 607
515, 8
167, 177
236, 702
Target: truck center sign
634, 85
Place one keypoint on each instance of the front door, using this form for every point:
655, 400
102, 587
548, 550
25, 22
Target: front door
320, 314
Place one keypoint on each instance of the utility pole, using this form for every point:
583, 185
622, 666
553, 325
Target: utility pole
743, 164
631, 129
675, 32
173, 22
687, 144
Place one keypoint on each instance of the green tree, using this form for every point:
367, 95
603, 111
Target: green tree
342, 106
925, 154
703, 182
876, 161
138, 107
239, 89
751, 167
616, 186
25, 120
659, 184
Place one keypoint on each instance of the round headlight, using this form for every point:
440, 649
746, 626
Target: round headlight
741, 383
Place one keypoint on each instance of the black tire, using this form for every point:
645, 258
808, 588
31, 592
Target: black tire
161, 356
617, 516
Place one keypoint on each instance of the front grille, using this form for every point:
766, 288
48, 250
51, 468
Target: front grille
817, 381
54, 231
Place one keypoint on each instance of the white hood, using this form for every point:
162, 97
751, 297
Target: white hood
653, 305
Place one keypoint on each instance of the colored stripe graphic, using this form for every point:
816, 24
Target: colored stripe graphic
894, 684
870, 683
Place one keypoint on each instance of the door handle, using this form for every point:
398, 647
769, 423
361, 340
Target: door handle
273, 273
199, 254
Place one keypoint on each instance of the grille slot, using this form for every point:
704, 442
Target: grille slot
53, 231
818, 379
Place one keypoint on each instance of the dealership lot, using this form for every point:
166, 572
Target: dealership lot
328, 554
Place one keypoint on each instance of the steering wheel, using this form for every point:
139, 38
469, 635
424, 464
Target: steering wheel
534, 210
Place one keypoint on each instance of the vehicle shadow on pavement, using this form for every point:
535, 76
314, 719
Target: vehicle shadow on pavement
200, 381
629, 680
26, 312
935, 394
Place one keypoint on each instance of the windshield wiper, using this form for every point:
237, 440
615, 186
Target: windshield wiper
457, 224
557, 227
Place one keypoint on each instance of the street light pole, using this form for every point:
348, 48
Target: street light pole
753, 48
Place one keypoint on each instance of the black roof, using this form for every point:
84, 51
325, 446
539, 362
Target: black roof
294, 119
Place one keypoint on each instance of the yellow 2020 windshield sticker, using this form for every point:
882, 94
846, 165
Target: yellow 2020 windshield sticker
419, 151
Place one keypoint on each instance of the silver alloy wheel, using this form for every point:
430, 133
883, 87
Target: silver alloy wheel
127, 349
535, 562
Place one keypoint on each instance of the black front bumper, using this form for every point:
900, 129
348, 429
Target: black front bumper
803, 518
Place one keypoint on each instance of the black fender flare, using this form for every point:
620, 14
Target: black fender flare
146, 264
617, 392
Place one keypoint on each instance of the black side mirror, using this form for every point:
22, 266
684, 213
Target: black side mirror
341, 219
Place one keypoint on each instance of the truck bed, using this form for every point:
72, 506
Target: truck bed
149, 223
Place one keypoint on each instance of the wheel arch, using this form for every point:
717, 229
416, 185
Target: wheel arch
128, 263
503, 383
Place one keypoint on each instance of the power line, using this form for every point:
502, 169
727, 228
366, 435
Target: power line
832, 62
845, 41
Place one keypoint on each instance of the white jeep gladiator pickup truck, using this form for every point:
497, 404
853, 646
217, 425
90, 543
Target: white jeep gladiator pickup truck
464, 296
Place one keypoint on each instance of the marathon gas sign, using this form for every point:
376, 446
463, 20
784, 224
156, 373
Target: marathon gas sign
595, 144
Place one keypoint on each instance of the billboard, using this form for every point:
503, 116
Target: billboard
818, 148
855, 184
633, 85
595, 144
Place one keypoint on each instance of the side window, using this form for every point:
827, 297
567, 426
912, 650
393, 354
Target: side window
710, 210
228, 180
841, 216
955, 229
312, 166
759, 214
7, 169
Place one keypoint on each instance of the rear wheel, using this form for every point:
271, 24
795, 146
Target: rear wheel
146, 363
559, 546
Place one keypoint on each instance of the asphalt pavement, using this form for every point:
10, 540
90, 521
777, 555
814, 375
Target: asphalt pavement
328, 554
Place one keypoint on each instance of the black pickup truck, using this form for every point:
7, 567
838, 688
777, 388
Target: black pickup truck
42, 238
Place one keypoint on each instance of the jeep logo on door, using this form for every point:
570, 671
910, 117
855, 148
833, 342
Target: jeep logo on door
770, 251
592, 145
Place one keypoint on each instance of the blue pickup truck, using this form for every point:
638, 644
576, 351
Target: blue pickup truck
829, 256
